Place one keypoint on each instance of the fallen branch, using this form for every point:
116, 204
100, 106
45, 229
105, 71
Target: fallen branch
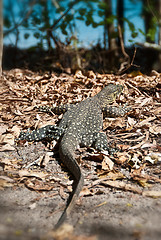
149, 45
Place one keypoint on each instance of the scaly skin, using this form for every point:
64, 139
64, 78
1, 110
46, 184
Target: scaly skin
81, 125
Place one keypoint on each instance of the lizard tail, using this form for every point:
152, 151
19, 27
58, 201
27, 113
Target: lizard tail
67, 156
70, 203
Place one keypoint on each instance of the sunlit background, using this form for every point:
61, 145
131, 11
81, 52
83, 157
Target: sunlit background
87, 36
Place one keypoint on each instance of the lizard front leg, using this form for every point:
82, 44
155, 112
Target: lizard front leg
113, 111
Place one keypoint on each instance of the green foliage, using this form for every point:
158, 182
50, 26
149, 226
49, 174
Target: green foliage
60, 9
7, 22
152, 30
142, 32
132, 28
102, 5
82, 11
26, 35
37, 35
63, 28
151, 15
44, 13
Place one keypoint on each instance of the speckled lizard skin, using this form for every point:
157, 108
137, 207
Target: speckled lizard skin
81, 125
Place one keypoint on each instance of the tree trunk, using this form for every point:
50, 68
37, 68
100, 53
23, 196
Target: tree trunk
110, 34
120, 15
148, 7
109, 27
159, 41
1, 35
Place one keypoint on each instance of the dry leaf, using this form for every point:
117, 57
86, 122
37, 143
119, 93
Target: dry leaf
4, 183
153, 157
121, 158
63, 232
97, 157
135, 74
135, 161
91, 74
6, 147
114, 123
142, 178
148, 145
3, 128
157, 110
38, 185
107, 163
46, 159
145, 122
7, 138
26, 173
146, 101
32, 206
6, 178
17, 112
152, 194
144, 141
79, 74
131, 121
86, 192
16, 131
155, 129
112, 175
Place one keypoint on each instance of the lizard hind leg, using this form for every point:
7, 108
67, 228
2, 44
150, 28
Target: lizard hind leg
101, 143
54, 109
49, 132
54, 132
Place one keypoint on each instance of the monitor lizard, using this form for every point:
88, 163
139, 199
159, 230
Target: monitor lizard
81, 125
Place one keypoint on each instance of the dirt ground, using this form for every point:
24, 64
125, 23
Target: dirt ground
112, 214
121, 198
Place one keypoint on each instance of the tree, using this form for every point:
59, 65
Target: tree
159, 42
150, 19
109, 26
1, 36
120, 16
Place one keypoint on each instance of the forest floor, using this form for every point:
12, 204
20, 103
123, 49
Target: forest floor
121, 198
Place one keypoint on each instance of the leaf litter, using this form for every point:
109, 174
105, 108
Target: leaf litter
138, 135
23, 89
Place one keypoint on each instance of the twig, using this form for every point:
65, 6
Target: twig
13, 99
129, 65
137, 90
34, 162
133, 58
63, 15
122, 68
122, 45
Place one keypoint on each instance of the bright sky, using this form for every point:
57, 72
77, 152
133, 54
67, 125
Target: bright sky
87, 35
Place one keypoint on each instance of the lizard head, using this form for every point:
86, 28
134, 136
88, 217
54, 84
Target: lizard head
109, 93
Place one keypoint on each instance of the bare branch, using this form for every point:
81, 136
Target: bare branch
23, 20
122, 44
63, 15
126, 64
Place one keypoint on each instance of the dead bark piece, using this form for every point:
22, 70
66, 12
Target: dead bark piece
123, 186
